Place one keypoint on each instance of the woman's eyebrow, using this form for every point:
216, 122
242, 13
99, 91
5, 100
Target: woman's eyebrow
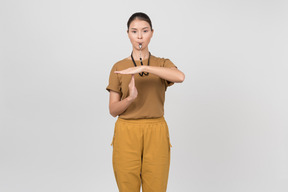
142, 28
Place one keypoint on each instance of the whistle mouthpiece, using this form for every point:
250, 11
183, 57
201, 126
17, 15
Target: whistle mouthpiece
140, 46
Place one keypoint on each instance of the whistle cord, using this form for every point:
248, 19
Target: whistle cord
143, 73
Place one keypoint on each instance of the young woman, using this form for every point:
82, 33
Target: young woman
137, 85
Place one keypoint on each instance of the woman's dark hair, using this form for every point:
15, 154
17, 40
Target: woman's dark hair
140, 16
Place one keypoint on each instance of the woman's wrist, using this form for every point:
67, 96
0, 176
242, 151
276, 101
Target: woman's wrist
130, 99
145, 68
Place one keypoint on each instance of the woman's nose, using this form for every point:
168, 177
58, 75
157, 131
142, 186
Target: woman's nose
139, 35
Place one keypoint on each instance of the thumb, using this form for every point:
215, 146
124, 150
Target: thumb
132, 79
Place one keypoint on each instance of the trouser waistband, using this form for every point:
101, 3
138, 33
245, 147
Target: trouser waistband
140, 121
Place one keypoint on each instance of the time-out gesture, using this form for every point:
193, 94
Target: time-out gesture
132, 88
118, 106
171, 74
131, 70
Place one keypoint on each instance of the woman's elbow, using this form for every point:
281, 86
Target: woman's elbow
112, 112
181, 78
113, 115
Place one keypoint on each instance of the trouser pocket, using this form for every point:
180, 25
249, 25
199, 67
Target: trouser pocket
112, 143
169, 141
113, 139
168, 134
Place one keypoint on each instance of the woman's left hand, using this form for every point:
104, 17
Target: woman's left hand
131, 70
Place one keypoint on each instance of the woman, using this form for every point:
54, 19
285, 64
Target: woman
137, 85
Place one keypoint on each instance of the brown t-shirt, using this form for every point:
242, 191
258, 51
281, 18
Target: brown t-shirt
151, 89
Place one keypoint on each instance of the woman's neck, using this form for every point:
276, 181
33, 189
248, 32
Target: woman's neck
144, 54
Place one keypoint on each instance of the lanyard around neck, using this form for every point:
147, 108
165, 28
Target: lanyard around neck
143, 73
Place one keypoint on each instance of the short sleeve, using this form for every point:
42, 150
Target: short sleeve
168, 63
114, 82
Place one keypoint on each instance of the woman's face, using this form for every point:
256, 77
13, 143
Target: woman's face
139, 33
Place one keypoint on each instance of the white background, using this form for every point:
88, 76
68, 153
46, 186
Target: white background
227, 120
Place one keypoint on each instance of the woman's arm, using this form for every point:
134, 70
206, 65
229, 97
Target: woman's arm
118, 106
171, 74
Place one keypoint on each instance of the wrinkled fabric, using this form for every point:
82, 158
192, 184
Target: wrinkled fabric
149, 102
141, 154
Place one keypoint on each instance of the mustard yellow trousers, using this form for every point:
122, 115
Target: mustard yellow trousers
141, 154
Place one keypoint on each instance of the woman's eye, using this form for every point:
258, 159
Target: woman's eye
146, 31
133, 31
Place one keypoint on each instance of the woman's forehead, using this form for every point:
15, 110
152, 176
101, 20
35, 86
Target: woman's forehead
139, 24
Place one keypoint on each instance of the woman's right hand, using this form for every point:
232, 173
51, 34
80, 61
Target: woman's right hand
132, 88
118, 106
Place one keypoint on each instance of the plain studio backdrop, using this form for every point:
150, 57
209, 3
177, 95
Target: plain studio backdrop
227, 120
